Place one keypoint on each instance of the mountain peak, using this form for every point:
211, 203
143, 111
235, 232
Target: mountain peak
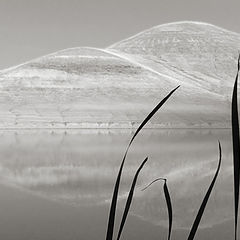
117, 86
187, 27
194, 24
193, 48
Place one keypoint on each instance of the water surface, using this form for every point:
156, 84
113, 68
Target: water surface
67, 177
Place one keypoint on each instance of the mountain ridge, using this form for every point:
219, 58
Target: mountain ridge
132, 36
116, 87
175, 23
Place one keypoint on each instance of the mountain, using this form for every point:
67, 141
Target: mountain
118, 86
194, 51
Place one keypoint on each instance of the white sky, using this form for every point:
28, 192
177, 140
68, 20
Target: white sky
31, 28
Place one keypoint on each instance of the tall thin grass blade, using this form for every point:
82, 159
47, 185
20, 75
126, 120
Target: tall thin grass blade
129, 199
205, 200
113, 206
236, 149
169, 205
168, 201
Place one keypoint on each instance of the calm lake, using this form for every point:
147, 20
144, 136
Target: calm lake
58, 184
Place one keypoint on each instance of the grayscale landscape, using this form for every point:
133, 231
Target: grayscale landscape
117, 86
66, 119
58, 184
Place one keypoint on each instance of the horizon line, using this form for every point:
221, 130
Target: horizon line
123, 40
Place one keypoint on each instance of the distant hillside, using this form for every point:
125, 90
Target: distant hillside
119, 85
200, 54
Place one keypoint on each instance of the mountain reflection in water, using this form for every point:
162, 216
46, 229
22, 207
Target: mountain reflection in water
79, 167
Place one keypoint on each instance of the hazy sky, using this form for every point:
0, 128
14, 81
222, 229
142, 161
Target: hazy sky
31, 28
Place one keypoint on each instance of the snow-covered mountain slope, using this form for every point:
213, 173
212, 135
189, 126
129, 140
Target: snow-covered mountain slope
118, 86
200, 54
80, 87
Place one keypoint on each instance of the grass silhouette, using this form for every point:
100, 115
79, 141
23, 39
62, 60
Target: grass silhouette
111, 219
195, 226
205, 199
168, 201
236, 149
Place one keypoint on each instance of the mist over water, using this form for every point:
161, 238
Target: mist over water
78, 168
